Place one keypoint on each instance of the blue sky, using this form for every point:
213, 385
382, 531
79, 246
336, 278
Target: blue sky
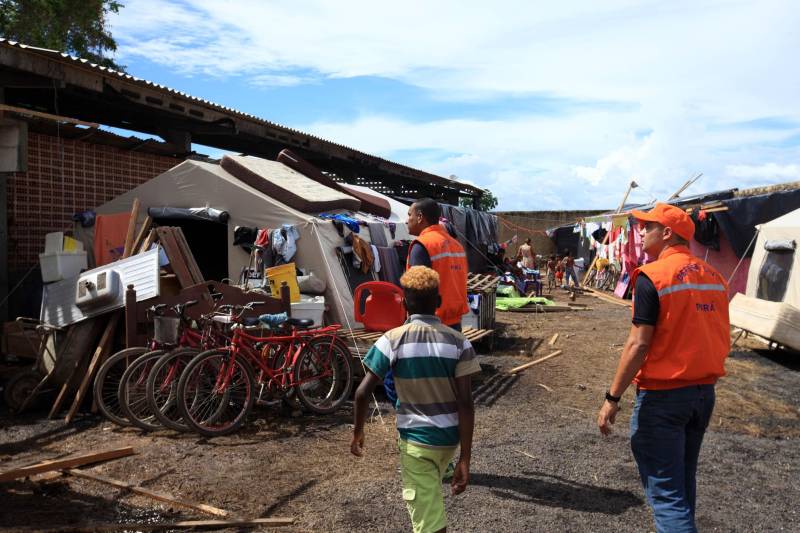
549, 106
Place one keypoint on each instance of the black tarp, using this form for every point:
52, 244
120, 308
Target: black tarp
190, 213
739, 222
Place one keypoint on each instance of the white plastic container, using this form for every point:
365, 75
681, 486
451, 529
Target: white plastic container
312, 307
61, 265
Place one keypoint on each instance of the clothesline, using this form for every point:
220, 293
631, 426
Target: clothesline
510, 225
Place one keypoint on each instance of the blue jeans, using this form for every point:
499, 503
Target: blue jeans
667, 429
570, 273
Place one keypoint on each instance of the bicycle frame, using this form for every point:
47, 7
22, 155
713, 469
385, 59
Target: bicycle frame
244, 344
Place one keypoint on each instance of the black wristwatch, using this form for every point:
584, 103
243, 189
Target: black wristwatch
612, 399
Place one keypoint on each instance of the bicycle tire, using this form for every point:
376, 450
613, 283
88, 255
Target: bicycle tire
133, 392
204, 409
163, 402
322, 395
106, 383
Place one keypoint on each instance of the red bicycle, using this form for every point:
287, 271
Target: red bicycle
111, 372
217, 389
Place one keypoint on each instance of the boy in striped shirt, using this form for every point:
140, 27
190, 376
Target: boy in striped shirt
433, 366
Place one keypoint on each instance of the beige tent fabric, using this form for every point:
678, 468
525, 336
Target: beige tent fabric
786, 227
198, 184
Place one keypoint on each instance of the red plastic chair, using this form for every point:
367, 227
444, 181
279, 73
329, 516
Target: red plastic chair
383, 308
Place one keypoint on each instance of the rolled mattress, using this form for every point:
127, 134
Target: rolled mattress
776, 321
286, 185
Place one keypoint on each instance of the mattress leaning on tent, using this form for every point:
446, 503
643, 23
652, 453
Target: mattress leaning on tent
771, 307
287, 185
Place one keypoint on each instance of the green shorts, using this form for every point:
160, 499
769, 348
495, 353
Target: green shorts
422, 470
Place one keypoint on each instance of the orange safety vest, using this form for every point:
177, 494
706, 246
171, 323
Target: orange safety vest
449, 260
692, 335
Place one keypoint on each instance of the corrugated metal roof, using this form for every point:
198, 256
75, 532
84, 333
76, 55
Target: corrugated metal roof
64, 57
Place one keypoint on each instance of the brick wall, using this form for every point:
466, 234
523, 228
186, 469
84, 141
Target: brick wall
533, 224
65, 176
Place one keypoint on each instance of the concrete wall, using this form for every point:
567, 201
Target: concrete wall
533, 224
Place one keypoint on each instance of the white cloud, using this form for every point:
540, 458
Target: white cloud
684, 68
765, 171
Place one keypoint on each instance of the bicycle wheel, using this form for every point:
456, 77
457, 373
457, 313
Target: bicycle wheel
216, 393
162, 387
324, 375
133, 392
106, 383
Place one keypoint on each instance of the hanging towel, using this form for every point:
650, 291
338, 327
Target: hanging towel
376, 260
283, 242
363, 250
391, 270
262, 238
377, 235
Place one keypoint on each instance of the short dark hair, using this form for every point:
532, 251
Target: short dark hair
429, 209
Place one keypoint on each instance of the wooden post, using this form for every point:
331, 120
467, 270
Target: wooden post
131, 321
106, 342
131, 229
286, 298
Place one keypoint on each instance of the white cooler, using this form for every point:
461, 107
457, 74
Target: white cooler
312, 307
61, 265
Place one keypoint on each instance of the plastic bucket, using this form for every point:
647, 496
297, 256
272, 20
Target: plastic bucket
277, 275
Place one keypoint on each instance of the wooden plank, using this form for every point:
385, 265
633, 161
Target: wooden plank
148, 242
67, 462
188, 256
56, 118
532, 363
100, 353
144, 231
610, 299
129, 236
158, 496
176, 261
159, 526
553, 340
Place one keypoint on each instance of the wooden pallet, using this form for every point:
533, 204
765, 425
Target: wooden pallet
482, 282
361, 336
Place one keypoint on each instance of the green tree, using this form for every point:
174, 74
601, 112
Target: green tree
487, 202
78, 27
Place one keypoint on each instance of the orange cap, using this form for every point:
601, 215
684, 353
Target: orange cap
669, 216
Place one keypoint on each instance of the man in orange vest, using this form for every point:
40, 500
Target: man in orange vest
674, 354
436, 249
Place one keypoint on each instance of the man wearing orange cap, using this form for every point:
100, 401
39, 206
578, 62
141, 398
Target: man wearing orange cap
674, 354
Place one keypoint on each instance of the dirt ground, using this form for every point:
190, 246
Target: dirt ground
539, 462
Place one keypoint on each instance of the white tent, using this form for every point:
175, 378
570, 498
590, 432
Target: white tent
775, 268
197, 184
771, 307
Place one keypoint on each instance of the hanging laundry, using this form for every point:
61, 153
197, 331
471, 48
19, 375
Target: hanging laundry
350, 222
363, 250
283, 242
391, 270
244, 236
376, 260
706, 229
262, 238
377, 235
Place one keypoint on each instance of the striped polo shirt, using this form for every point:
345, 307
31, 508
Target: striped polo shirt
426, 357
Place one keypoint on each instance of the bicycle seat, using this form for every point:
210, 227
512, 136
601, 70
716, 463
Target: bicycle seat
250, 321
301, 323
